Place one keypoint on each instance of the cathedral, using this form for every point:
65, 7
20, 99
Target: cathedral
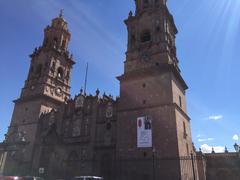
142, 134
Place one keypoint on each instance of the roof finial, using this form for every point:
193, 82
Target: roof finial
61, 13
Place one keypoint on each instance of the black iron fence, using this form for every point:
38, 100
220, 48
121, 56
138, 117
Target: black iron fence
147, 168
202, 167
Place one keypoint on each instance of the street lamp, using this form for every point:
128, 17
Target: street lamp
237, 147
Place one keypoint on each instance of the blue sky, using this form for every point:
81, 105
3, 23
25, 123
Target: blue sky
207, 46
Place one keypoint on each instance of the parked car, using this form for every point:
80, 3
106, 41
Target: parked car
10, 178
31, 178
20, 178
87, 178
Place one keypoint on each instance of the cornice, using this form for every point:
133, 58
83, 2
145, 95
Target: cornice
153, 71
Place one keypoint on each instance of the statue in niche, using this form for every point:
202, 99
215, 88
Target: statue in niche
79, 102
109, 110
21, 136
16, 136
76, 129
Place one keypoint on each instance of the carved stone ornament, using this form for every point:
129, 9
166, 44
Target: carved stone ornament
79, 102
76, 131
109, 110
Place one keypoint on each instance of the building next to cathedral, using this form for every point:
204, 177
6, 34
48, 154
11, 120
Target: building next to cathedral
143, 134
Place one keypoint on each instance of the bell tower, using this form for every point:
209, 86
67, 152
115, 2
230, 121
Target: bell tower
152, 87
151, 36
47, 86
51, 64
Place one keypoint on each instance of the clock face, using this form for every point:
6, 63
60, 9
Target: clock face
145, 57
58, 91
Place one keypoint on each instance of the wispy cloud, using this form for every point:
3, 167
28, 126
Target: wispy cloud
215, 117
208, 149
235, 137
199, 135
84, 23
206, 139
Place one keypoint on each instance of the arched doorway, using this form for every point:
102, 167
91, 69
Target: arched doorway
106, 167
71, 165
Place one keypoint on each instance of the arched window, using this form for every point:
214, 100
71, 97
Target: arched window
53, 67
31, 72
45, 42
180, 101
60, 73
32, 69
146, 36
67, 74
64, 44
55, 39
145, 3
133, 40
39, 70
55, 42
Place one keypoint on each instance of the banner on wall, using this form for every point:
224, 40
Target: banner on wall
144, 132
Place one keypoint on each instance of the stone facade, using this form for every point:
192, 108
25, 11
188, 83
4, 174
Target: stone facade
56, 136
152, 86
223, 166
77, 137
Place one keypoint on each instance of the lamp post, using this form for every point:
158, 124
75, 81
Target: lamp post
237, 147
153, 161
